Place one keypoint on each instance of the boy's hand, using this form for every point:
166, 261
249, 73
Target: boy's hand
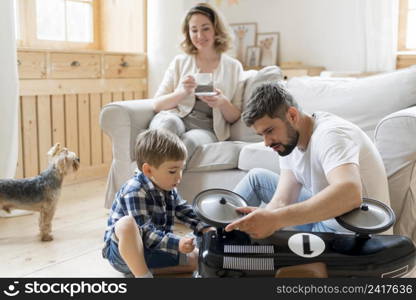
186, 245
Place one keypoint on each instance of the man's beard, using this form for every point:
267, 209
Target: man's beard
293, 141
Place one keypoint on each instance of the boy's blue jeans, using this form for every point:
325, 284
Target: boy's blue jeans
154, 258
259, 186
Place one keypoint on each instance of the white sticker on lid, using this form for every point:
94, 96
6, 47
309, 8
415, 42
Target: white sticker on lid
306, 244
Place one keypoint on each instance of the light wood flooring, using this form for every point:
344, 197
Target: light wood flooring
78, 229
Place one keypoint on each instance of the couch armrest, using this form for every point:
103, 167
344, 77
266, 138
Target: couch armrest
123, 121
395, 139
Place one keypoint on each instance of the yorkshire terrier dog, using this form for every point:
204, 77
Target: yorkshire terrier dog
40, 193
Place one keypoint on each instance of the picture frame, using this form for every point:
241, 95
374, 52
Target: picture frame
253, 55
245, 35
269, 44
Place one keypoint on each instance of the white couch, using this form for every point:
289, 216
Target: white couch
382, 105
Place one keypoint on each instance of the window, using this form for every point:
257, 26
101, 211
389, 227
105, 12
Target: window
407, 25
64, 24
109, 25
65, 20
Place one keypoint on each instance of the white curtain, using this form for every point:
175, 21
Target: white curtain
8, 91
163, 37
379, 19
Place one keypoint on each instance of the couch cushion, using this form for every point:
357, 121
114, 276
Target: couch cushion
239, 131
215, 156
257, 155
363, 101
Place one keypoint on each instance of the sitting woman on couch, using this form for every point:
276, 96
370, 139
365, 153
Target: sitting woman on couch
200, 120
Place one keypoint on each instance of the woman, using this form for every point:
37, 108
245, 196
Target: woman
203, 119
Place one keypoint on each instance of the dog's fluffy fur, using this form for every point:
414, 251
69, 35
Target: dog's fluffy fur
40, 193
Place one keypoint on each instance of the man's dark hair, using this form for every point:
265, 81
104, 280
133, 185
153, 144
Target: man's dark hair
269, 99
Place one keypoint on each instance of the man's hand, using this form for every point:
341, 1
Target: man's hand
259, 223
186, 245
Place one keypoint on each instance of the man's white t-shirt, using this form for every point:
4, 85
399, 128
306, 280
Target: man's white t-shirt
335, 142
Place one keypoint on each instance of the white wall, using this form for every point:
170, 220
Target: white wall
164, 36
8, 91
328, 33
318, 32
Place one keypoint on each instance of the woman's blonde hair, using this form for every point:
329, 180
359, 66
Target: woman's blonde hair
222, 36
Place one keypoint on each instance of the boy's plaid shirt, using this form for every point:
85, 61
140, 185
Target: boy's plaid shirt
154, 211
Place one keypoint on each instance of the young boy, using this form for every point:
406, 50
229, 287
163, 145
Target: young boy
139, 234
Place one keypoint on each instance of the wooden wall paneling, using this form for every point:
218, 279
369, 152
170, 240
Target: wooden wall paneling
79, 86
107, 150
45, 129
75, 65
58, 119
67, 109
128, 96
405, 60
71, 123
97, 24
30, 136
403, 11
117, 96
31, 65
140, 92
96, 136
84, 130
138, 95
124, 66
144, 24
19, 168
145, 88
123, 25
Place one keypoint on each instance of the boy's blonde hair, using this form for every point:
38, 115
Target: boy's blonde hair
155, 146
222, 36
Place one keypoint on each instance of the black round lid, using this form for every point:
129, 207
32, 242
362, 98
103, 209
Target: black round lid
372, 216
217, 207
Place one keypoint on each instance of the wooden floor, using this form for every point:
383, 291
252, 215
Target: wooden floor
78, 229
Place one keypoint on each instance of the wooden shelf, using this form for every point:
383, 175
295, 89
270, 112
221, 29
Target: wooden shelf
51, 64
406, 60
294, 70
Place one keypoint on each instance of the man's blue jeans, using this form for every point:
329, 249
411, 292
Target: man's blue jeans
259, 186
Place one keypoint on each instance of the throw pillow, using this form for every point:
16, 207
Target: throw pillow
239, 131
363, 101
